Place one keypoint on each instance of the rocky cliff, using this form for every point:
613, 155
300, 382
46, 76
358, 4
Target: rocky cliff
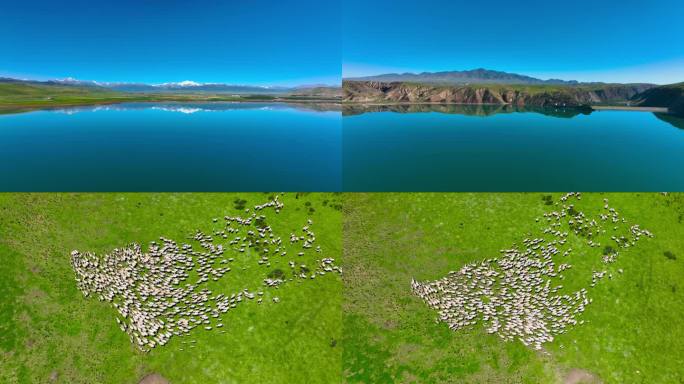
670, 96
519, 95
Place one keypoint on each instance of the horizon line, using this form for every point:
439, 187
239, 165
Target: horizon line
277, 84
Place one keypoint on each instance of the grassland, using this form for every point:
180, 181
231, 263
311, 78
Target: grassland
633, 331
50, 333
367, 327
19, 97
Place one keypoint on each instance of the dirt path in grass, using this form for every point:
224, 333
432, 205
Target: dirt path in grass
154, 378
580, 376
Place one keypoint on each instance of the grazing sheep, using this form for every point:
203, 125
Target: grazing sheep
516, 295
160, 293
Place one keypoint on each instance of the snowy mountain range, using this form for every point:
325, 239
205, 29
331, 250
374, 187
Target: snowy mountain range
182, 86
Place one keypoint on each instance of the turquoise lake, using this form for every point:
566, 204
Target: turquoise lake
282, 147
172, 147
452, 148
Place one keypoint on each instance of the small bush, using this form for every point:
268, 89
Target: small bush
239, 204
277, 274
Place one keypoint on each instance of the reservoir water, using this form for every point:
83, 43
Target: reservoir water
307, 147
173, 147
468, 148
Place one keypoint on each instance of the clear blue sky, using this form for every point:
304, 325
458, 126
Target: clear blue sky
598, 40
246, 42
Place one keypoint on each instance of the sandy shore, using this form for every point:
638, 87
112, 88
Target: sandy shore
628, 108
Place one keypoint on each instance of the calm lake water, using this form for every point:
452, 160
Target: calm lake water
173, 147
410, 148
281, 147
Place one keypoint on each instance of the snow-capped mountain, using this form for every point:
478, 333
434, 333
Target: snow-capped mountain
185, 86
193, 86
184, 83
76, 82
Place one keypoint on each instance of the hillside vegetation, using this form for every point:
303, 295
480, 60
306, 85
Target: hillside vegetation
35, 93
670, 96
16, 95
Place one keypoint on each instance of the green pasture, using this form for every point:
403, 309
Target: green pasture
633, 330
50, 333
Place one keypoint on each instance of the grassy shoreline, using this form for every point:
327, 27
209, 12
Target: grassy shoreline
19, 107
20, 97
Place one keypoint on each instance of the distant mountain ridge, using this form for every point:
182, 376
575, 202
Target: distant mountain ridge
474, 76
186, 86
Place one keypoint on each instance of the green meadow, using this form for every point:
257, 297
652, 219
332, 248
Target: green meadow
633, 329
20, 97
363, 327
51, 333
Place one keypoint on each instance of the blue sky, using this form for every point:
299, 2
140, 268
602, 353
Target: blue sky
288, 42
282, 42
599, 40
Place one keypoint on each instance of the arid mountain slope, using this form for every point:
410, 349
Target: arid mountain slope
520, 95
